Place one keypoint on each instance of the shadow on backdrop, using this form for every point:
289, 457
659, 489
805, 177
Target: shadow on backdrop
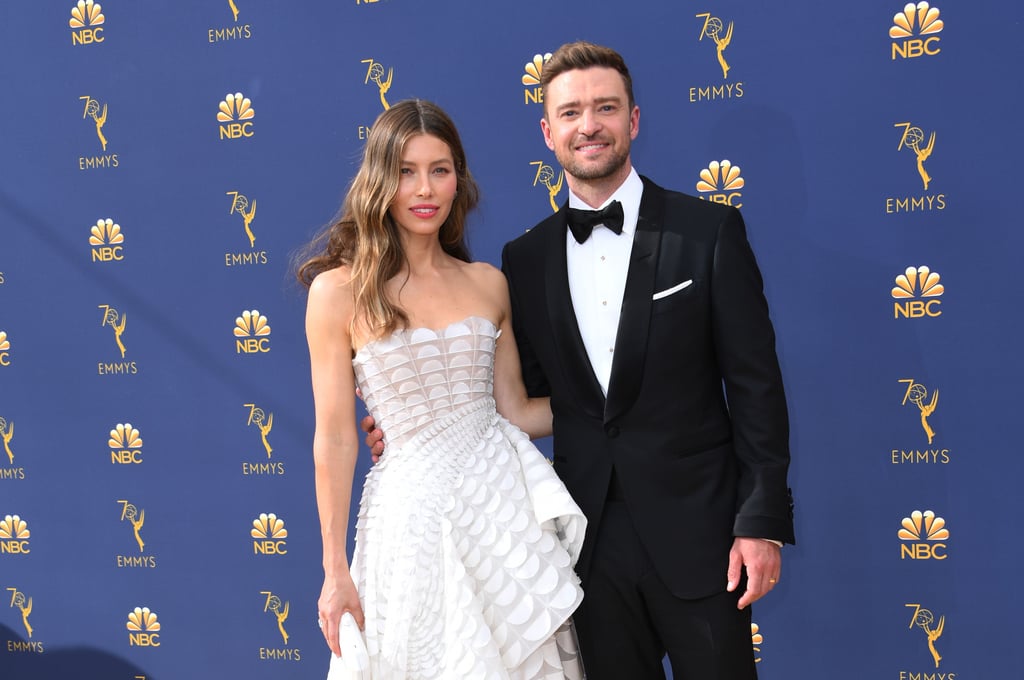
84, 663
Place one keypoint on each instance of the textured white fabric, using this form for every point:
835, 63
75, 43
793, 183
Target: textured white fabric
466, 538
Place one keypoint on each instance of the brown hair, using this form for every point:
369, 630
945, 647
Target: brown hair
581, 55
365, 237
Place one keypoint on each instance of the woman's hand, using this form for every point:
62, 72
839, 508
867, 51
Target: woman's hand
337, 596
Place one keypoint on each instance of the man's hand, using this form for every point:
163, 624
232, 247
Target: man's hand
374, 437
763, 560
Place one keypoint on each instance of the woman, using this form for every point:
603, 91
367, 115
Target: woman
465, 538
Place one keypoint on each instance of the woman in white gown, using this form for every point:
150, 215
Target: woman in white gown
466, 538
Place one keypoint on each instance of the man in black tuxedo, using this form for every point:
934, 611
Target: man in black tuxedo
633, 327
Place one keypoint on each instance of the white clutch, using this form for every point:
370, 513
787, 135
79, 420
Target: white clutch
354, 662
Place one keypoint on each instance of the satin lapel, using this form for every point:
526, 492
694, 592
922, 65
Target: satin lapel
635, 319
579, 375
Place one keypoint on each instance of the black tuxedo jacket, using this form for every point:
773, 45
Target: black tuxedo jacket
698, 464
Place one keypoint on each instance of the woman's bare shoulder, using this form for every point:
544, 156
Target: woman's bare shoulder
330, 293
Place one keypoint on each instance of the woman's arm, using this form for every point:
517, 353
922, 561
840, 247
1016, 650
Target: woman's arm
532, 416
329, 310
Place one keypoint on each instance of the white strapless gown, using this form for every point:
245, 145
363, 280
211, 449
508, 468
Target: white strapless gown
466, 538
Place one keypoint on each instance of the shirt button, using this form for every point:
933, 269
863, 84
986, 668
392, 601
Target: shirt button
604, 302
612, 431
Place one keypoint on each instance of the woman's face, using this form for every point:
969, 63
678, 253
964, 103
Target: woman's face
426, 187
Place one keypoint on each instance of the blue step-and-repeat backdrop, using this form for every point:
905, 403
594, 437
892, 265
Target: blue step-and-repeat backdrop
162, 162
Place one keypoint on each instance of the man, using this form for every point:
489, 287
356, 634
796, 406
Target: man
633, 335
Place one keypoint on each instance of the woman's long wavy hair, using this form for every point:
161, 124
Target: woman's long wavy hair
365, 236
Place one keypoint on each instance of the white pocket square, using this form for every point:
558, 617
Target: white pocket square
673, 289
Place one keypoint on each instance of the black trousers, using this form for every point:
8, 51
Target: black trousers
629, 619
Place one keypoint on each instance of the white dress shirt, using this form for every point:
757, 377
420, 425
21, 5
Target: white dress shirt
597, 276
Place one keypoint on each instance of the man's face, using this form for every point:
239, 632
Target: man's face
589, 124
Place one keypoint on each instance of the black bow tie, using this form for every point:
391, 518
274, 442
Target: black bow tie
582, 222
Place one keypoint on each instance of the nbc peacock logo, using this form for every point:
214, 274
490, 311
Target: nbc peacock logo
545, 177
143, 628
268, 534
14, 535
533, 94
5, 349
923, 535
375, 74
756, 640
252, 333
915, 31
721, 182
914, 283
235, 116
87, 23
107, 241
125, 444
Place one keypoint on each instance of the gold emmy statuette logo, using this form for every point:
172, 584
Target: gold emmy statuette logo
234, 9
143, 628
7, 433
721, 182
921, 21
918, 282
280, 611
756, 639
137, 518
263, 421
911, 139
545, 173
917, 394
24, 605
107, 241
117, 322
375, 72
92, 110
235, 115
14, 535
86, 23
920, 527
269, 534
531, 78
923, 619
5, 349
247, 210
251, 331
712, 28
